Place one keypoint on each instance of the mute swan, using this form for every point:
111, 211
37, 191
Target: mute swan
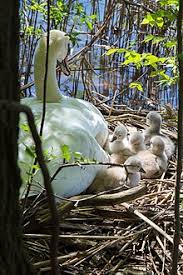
118, 145
136, 142
121, 156
112, 177
69, 121
118, 140
154, 120
154, 160
91, 118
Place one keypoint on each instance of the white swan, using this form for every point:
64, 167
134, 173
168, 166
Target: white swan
70, 121
112, 177
154, 121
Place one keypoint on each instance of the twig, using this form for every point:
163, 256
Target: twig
80, 164
93, 200
60, 259
97, 35
175, 254
14, 106
151, 223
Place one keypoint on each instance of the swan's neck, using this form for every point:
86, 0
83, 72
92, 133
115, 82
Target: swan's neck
137, 148
133, 179
155, 129
52, 89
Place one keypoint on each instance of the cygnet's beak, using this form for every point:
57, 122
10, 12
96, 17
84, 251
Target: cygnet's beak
64, 67
113, 138
142, 170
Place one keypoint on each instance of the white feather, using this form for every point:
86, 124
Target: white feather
69, 121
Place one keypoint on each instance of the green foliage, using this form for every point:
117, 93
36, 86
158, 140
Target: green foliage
158, 65
163, 68
169, 3
76, 157
30, 150
24, 127
59, 11
162, 16
136, 85
153, 19
66, 152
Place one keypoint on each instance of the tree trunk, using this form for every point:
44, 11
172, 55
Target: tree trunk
13, 260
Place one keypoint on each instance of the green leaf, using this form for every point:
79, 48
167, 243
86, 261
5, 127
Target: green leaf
148, 38
35, 167
159, 22
136, 85
89, 25
30, 151
154, 73
145, 21
25, 127
170, 44
78, 155
112, 51
162, 59
151, 60
93, 16
157, 39
121, 50
66, 154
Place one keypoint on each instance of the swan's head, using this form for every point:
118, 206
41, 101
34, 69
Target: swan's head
157, 145
154, 120
133, 165
120, 132
58, 46
137, 140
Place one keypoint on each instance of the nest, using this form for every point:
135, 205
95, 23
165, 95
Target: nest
126, 232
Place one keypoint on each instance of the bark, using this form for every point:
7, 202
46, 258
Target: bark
177, 225
13, 259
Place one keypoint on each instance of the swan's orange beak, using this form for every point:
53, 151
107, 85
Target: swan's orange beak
64, 67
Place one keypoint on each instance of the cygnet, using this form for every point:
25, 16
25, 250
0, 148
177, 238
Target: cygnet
113, 177
136, 142
154, 121
154, 160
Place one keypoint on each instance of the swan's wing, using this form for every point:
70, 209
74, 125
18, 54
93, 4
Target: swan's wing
149, 164
58, 132
169, 146
74, 111
97, 124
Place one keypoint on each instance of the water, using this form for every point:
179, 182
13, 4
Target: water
107, 77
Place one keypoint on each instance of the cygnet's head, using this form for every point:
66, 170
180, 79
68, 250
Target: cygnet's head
58, 45
157, 145
133, 165
154, 120
137, 142
120, 132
